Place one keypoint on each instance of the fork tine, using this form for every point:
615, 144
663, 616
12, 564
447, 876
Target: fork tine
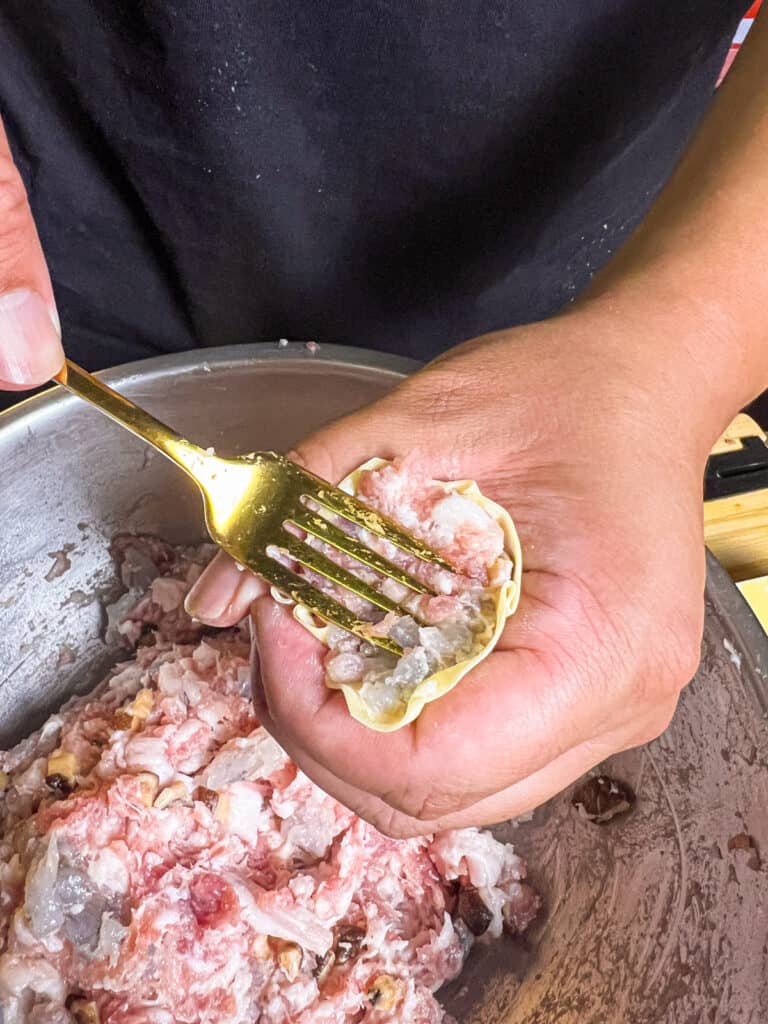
336, 538
320, 604
313, 559
360, 514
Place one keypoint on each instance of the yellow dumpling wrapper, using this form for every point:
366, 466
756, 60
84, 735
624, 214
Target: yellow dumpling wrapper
505, 601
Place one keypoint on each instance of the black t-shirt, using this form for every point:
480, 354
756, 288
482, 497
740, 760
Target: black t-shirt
395, 174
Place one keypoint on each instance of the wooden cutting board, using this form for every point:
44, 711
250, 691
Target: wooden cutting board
736, 528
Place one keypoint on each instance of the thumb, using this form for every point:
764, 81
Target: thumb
30, 336
336, 449
402, 422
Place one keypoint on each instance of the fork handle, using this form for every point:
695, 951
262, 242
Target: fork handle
141, 423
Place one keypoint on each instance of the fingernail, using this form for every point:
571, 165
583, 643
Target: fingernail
208, 599
55, 318
30, 340
192, 598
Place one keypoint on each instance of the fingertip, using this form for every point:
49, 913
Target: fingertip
31, 353
334, 451
223, 593
212, 592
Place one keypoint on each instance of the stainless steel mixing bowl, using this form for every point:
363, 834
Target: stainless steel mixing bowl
651, 919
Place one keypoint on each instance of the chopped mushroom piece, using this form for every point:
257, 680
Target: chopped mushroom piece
83, 1011
176, 793
289, 958
221, 810
600, 799
349, 943
148, 787
124, 721
133, 715
385, 993
473, 911
206, 796
61, 772
142, 704
745, 842
324, 966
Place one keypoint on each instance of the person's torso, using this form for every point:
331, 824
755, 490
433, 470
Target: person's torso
396, 175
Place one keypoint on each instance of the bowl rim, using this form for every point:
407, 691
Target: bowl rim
25, 412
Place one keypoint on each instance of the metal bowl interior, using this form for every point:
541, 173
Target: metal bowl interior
650, 919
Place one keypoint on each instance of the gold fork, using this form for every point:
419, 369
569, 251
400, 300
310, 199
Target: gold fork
250, 500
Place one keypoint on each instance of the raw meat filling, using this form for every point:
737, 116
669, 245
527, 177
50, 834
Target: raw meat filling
163, 861
441, 630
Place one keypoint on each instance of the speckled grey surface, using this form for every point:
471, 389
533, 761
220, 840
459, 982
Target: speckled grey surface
649, 920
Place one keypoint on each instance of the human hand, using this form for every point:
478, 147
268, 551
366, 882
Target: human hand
30, 335
576, 427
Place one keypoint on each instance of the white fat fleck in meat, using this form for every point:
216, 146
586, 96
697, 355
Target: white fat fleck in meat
31, 779
395, 591
458, 519
292, 923
246, 757
126, 681
205, 656
168, 593
310, 819
240, 809
149, 754
18, 974
170, 678
109, 871
190, 746
469, 853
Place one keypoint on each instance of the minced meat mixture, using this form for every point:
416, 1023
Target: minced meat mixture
162, 860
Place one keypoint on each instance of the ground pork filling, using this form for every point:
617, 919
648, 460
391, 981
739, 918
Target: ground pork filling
162, 860
441, 629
